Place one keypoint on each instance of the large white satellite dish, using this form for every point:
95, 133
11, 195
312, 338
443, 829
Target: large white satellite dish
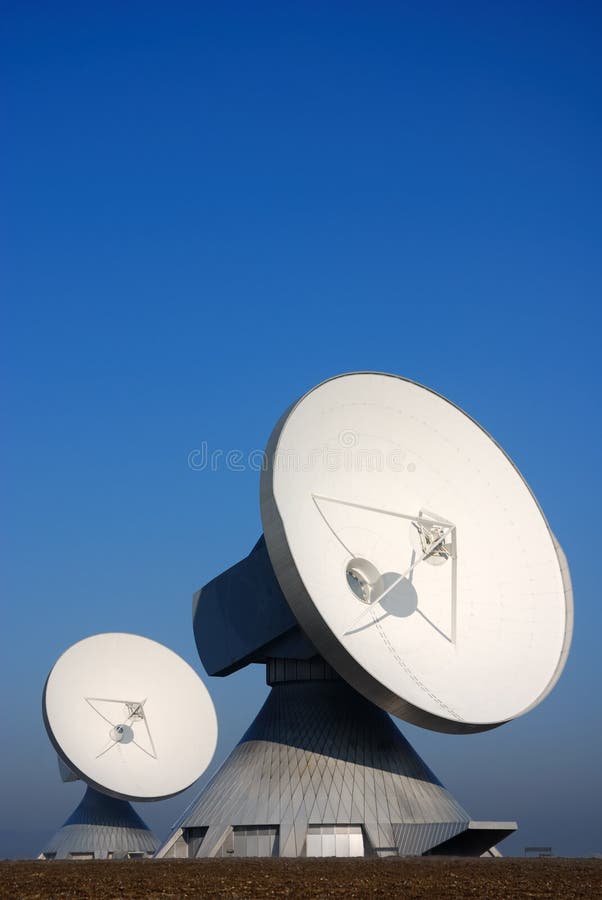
129, 717
413, 554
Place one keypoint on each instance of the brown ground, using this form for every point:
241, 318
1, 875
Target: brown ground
435, 879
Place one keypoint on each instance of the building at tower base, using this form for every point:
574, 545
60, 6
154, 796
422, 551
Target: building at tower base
101, 827
322, 771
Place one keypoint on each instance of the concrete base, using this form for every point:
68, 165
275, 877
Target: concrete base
101, 827
324, 772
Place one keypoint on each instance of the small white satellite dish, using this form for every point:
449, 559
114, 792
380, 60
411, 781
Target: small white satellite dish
129, 717
413, 554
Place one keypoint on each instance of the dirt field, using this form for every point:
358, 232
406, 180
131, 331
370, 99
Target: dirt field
436, 879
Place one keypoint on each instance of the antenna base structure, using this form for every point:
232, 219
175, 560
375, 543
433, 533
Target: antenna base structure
101, 827
324, 772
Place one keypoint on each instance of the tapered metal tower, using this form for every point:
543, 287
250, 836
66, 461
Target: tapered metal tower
324, 772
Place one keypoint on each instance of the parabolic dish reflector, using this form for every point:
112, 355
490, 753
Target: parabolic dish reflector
414, 555
129, 717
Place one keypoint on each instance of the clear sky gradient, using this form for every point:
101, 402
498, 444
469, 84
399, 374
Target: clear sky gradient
211, 208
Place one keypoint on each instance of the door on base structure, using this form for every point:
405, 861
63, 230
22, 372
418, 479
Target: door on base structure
335, 840
261, 840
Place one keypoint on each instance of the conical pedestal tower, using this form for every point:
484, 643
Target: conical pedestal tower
101, 827
322, 771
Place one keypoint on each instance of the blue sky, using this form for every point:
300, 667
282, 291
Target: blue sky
213, 207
